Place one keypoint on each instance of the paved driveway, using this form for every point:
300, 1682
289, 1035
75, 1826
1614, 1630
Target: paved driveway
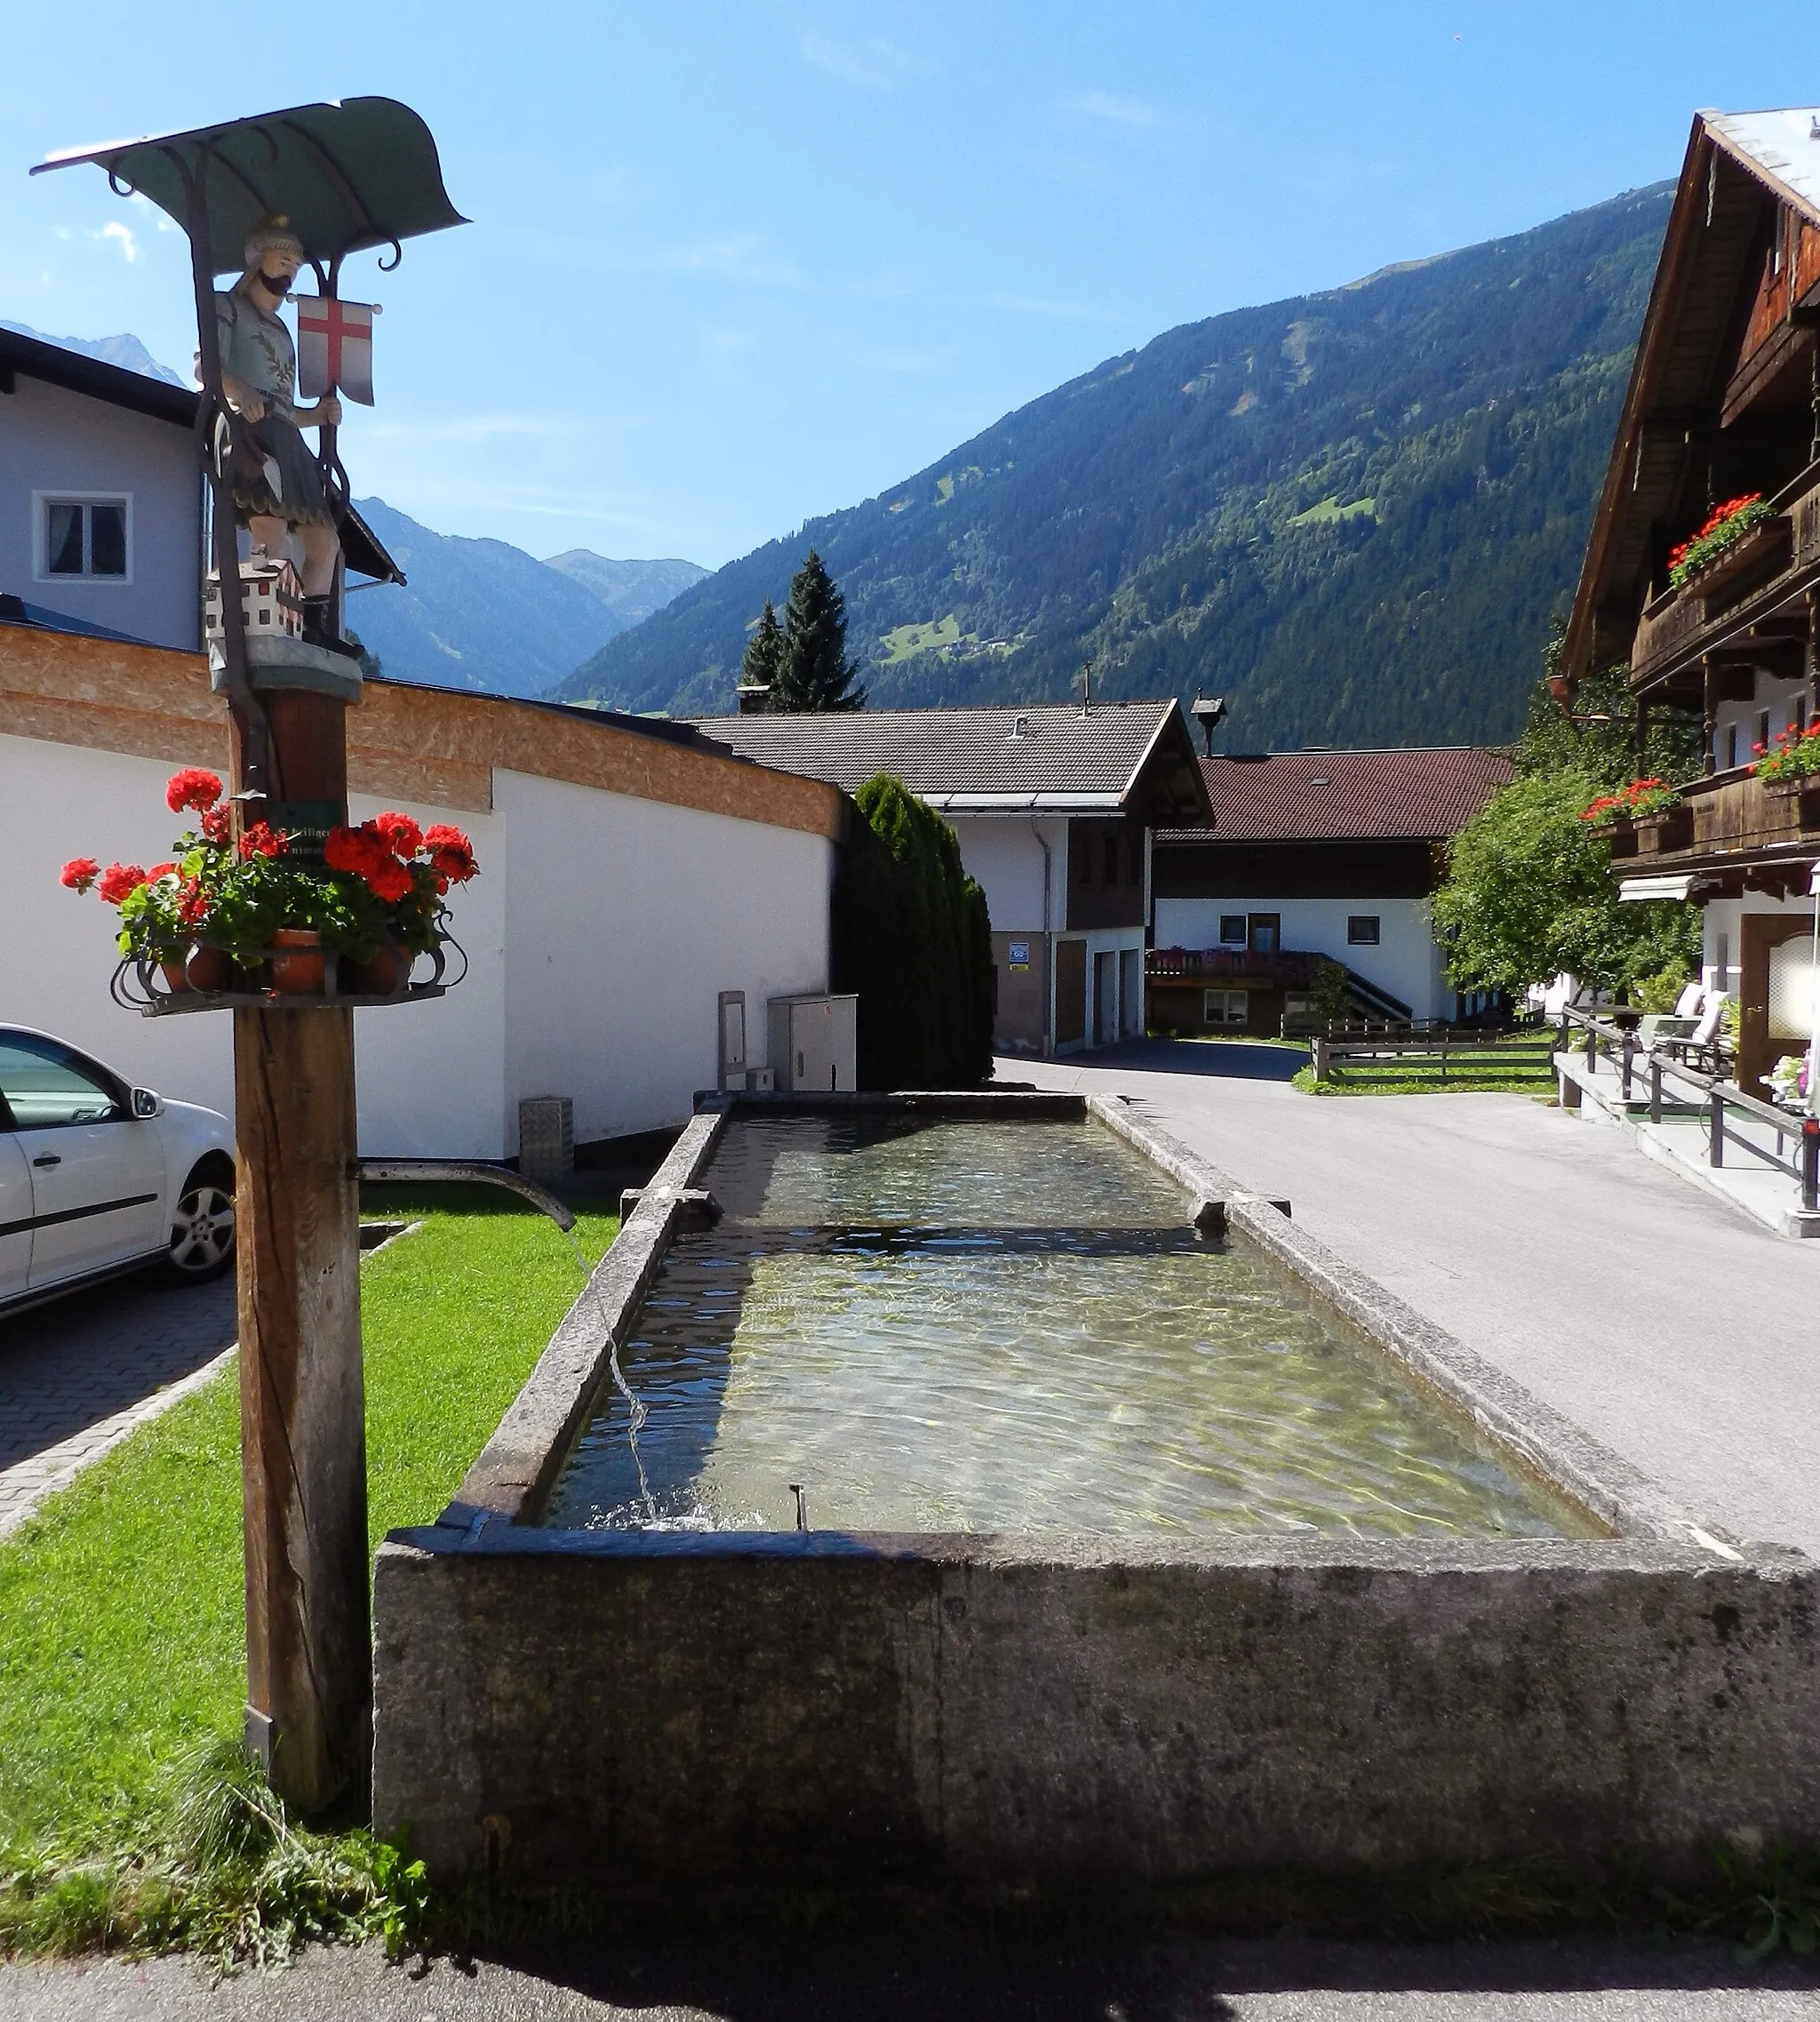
929, 1977
1669, 1326
76, 1374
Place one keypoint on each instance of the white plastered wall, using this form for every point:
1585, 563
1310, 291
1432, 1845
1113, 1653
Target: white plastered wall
1406, 961
598, 934
625, 919
1738, 726
1002, 854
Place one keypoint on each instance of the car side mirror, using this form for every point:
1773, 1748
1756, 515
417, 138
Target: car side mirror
145, 1103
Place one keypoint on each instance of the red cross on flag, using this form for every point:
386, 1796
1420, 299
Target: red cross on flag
335, 347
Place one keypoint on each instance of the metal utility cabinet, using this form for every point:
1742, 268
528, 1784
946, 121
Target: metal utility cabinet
813, 1041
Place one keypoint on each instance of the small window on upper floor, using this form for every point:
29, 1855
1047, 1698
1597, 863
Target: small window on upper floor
1233, 930
82, 540
1136, 861
1362, 929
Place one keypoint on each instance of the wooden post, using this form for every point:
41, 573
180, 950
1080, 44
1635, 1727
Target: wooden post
302, 1404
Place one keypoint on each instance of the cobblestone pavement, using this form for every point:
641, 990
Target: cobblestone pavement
76, 1375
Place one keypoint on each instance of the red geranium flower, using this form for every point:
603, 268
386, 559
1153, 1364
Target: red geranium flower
80, 873
119, 879
450, 852
389, 880
401, 834
217, 824
262, 840
192, 787
192, 903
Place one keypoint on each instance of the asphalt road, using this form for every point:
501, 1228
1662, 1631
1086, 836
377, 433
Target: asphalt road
1672, 1327
851, 1979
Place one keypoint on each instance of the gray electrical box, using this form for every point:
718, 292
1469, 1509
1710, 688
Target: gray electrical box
813, 1043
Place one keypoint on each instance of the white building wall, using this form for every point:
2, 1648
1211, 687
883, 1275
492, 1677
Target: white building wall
1738, 727
598, 933
625, 919
1002, 854
53, 440
1406, 962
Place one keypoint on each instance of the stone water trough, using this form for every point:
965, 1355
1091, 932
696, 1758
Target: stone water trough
755, 1715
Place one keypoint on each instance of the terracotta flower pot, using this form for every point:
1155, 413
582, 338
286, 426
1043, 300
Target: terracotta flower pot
297, 962
383, 976
176, 981
208, 969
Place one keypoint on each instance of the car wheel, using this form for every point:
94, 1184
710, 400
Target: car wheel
202, 1230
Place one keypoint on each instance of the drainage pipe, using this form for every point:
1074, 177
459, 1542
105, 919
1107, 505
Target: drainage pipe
1049, 963
461, 1171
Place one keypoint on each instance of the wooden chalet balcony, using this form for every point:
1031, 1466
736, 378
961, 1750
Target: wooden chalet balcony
1771, 565
1732, 821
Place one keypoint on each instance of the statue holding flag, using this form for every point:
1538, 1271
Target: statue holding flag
275, 483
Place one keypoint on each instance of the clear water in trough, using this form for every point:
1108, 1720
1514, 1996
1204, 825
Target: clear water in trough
959, 1326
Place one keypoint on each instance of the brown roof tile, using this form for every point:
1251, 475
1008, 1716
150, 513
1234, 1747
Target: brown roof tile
1330, 796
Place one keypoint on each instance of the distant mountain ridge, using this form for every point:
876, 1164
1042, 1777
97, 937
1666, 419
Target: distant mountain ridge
1353, 513
485, 615
630, 591
125, 350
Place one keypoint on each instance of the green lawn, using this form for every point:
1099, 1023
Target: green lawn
121, 1646
1462, 1077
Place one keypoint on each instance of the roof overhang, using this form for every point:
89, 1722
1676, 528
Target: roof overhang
1736, 165
1025, 804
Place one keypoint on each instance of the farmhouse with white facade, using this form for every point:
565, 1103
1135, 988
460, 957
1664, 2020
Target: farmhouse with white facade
1054, 807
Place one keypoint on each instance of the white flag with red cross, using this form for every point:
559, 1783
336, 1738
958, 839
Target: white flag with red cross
335, 347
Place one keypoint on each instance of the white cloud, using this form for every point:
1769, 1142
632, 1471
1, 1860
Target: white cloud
874, 64
1121, 111
120, 236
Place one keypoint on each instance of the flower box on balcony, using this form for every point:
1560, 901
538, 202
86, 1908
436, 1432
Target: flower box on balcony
1670, 828
1619, 833
1803, 792
1740, 557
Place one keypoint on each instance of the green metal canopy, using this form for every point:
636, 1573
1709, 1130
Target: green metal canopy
348, 175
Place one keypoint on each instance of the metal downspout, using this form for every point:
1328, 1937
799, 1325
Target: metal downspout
1049, 946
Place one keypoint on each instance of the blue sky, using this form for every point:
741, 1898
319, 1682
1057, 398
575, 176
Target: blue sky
733, 266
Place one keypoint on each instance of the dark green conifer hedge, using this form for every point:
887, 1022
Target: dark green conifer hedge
911, 938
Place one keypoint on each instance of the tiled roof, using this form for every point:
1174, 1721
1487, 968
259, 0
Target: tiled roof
1330, 796
1048, 756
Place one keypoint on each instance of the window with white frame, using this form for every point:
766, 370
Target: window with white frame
84, 539
1224, 1007
1362, 929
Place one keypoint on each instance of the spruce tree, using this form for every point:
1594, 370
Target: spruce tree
763, 657
815, 674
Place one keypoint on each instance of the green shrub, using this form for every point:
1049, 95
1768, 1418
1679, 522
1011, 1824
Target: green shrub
912, 939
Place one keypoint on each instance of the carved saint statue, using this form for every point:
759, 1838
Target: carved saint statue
277, 483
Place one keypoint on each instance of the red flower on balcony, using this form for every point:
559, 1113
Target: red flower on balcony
80, 873
118, 880
450, 852
194, 787
401, 834
262, 840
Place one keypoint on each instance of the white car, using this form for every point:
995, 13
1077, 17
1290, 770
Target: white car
99, 1177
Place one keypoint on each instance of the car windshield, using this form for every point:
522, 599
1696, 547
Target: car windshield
46, 1087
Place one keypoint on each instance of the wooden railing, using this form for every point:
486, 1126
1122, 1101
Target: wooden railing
1428, 1053
1677, 1090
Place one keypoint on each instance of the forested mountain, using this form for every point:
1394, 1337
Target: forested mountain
1353, 513
484, 614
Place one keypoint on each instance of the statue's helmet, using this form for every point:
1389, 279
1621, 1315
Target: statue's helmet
274, 235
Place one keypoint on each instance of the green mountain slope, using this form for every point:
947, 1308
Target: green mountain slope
1353, 513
